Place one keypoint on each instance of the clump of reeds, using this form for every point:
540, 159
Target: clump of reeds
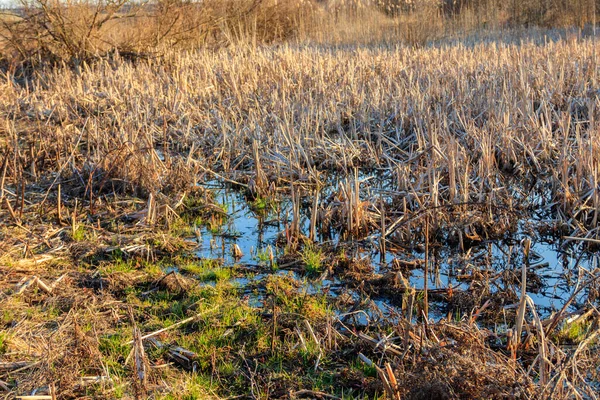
98, 162
478, 157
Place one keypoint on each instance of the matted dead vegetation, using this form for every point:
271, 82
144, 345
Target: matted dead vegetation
472, 135
103, 193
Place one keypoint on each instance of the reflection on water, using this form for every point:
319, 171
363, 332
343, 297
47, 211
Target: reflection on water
557, 265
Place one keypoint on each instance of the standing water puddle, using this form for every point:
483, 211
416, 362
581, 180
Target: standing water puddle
557, 266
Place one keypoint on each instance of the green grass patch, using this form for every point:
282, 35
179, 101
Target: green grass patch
3, 343
78, 234
115, 351
208, 270
312, 257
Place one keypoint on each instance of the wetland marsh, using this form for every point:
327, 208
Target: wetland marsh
304, 221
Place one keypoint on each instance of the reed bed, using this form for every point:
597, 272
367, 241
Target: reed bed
102, 180
493, 127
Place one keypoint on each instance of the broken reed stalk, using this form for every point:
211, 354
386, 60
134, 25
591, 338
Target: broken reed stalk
543, 344
313, 217
312, 333
175, 325
274, 323
582, 239
11, 211
523, 300
392, 381
295, 229
22, 202
59, 205
313, 394
356, 204
425, 271
165, 143
382, 249
3, 177
74, 219
260, 176
140, 360
382, 375
25, 283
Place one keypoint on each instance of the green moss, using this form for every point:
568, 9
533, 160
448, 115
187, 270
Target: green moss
208, 270
78, 234
197, 387
217, 275
574, 332
259, 204
200, 267
263, 255
119, 265
181, 228
7, 316
113, 345
3, 342
119, 391
312, 257
154, 270
367, 370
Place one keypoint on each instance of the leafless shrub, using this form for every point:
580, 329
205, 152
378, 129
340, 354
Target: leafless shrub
55, 30
76, 31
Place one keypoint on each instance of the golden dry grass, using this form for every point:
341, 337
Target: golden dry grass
469, 137
505, 125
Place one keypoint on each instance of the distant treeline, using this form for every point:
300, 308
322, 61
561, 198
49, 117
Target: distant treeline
549, 13
79, 30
